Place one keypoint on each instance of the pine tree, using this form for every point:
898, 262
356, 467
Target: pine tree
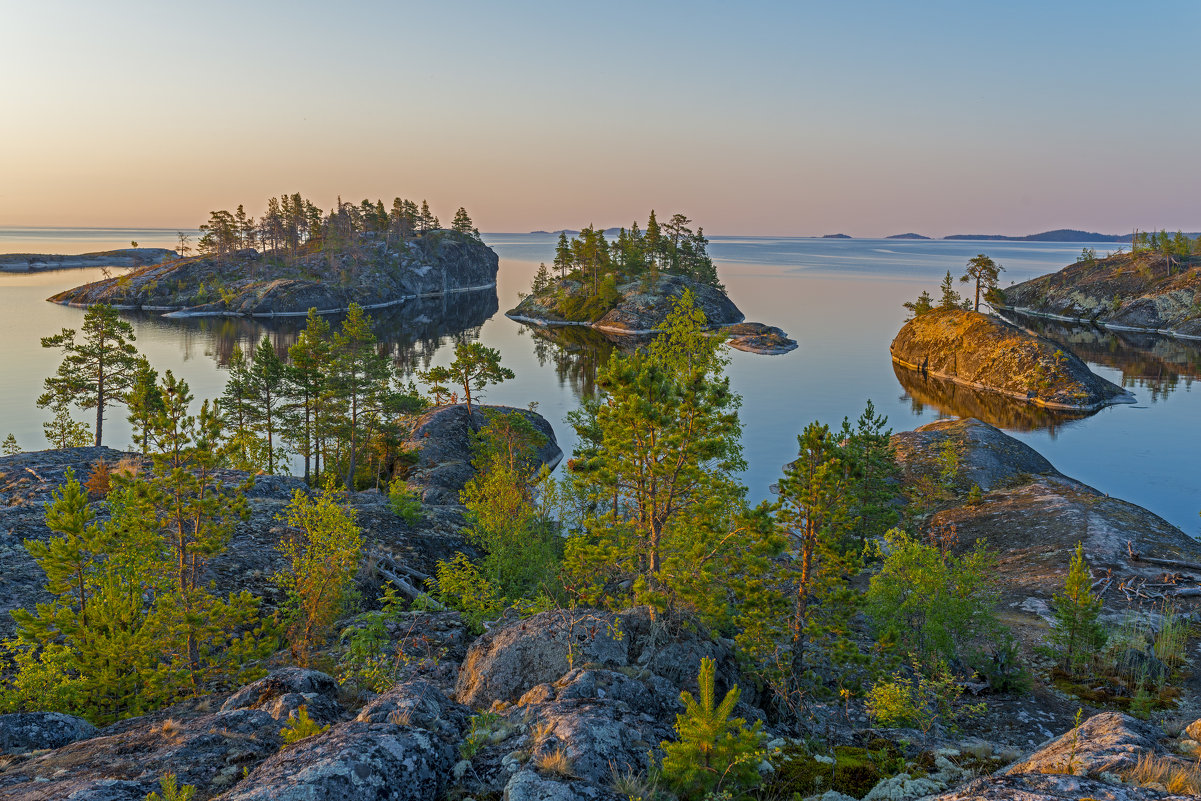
917, 308
475, 367
244, 447
462, 223
984, 272
1078, 632
563, 257
96, 372
63, 431
872, 473
307, 383
322, 555
10, 446
265, 395
715, 752
949, 298
658, 462
360, 378
145, 403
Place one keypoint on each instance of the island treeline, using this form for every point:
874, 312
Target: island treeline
292, 224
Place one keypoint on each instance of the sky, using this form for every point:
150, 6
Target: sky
865, 118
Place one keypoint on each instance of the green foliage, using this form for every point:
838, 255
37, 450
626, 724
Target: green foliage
715, 752
62, 431
368, 665
1078, 635
145, 404
938, 605
911, 699
300, 726
948, 297
10, 446
923, 305
462, 586
462, 223
481, 729
95, 372
172, 790
405, 503
322, 554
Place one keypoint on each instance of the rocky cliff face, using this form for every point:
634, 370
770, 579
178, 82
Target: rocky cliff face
372, 273
1125, 292
984, 352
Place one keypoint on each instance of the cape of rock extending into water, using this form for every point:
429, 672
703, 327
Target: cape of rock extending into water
1126, 292
372, 272
640, 310
984, 352
38, 262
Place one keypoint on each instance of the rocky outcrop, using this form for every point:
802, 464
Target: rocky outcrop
1042, 787
35, 731
759, 338
1107, 743
1139, 292
373, 273
128, 257
282, 693
987, 353
1031, 516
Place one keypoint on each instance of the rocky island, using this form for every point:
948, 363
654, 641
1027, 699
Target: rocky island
984, 352
628, 287
1157, 291
125, 257
356, 254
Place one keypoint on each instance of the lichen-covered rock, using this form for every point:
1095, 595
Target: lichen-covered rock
281, 693
420, 704
1040, 787
354, 761
442, 435
127, 759
375, 272
34, 731
1110, 742
1125, 291
987, 353
527, 785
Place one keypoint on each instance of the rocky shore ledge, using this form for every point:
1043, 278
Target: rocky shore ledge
372, 273
987, 353
640, 309
1124, 292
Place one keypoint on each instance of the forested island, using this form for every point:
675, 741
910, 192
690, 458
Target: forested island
628, 287
296, 257
429, 613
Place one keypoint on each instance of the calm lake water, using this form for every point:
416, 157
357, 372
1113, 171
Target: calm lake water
840, 299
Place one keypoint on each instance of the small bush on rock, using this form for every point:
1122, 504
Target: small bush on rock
301, 726
172, 790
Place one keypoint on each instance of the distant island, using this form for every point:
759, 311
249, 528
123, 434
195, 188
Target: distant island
125, 257
296, 258
627, 287
906, 236
835, 236
1058, 235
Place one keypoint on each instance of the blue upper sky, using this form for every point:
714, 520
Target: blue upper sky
765, 117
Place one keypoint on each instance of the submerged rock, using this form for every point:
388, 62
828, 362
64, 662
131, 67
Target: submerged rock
987, 353
759, 338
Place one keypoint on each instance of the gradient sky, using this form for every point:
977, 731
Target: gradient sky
869, 118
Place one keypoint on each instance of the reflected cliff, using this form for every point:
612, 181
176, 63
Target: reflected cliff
411, 332
956, 400
1156, 363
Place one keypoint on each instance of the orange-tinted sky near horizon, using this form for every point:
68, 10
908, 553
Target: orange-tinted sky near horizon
868, 118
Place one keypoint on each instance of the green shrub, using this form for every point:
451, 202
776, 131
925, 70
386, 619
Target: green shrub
937, 605
1077, 635
405, 503
368, 666
301, 726
914, 700
172, 791
462, 586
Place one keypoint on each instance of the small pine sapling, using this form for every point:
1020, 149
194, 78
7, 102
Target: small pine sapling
1078, 634
715, 752
301, 726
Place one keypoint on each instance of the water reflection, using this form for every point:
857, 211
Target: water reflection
411, 333
575, 353
1157, 363
999, 410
